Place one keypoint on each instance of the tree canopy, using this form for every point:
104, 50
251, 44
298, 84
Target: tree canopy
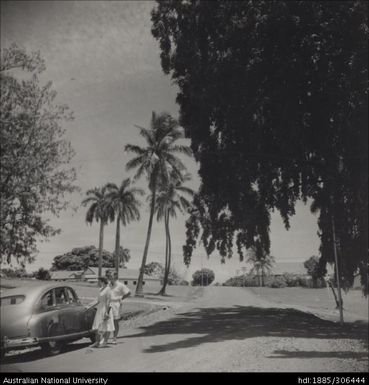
80, 258
36, 176
157, 270
203, 277
273, 95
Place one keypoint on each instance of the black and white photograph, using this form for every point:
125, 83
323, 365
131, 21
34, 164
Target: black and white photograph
184, 188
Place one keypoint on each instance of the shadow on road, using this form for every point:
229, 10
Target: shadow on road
240, 322
359, 356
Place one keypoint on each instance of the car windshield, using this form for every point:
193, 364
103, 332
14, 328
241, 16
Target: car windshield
12, 300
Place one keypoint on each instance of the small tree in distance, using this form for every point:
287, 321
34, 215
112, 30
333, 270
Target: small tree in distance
203, 277
42, 274
154, 269
312, 265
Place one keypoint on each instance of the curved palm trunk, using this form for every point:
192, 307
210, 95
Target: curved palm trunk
144, 257
168, 252
259, 276
101, 242
117, 245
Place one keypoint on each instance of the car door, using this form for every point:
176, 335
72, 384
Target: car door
77, 310
46, 314
69, 310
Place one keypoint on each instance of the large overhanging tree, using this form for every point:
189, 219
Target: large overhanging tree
273, 95
35, 172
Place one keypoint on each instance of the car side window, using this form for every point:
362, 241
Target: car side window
47, 300
60, 296
13, 300
72, 298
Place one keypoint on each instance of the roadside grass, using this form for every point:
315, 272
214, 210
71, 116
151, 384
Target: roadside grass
320, 300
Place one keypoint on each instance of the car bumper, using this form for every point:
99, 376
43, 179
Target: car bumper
18, 343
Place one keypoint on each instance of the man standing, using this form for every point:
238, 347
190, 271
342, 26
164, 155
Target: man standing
119, 292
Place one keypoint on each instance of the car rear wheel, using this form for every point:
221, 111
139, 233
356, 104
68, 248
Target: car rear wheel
53, 347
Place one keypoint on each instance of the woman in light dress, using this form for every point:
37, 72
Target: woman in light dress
104, 321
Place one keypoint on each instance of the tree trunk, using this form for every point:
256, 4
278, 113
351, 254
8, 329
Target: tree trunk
117, 245
101, 242
166, 268
144, 257
259, 277
262, 277
169, 255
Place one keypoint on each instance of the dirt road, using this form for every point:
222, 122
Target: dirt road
216, 329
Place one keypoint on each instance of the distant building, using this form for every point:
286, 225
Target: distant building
66, 275
127, 276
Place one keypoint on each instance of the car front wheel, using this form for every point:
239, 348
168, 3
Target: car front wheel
53, 347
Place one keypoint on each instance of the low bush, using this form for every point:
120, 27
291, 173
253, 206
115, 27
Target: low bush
42, 274
291, 280
16, 273
276, 282
242, 281
279, 281
203, 277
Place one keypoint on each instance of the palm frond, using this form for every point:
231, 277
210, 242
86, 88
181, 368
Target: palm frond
186, 190
95, 192
174, 161
88, 200
135, 149
148, 135
174, 135
112, 187
124, 185
141, 170
135, 162
181, 149
185, 203
91, 213
136, 191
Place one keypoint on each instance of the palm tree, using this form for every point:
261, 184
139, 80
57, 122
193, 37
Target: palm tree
261, 261
157, 161
101, 210
169, 199
125, 204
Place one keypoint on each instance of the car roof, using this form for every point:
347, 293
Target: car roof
32, 290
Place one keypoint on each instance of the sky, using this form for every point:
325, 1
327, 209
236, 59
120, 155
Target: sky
105, 65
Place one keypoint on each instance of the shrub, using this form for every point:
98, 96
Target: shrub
42, 274
203, 277
292, 280
19, 272
242, 280
276, 282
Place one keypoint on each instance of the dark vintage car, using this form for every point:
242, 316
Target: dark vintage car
47, 315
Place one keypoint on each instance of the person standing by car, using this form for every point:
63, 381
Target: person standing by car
119, 291
103, 322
